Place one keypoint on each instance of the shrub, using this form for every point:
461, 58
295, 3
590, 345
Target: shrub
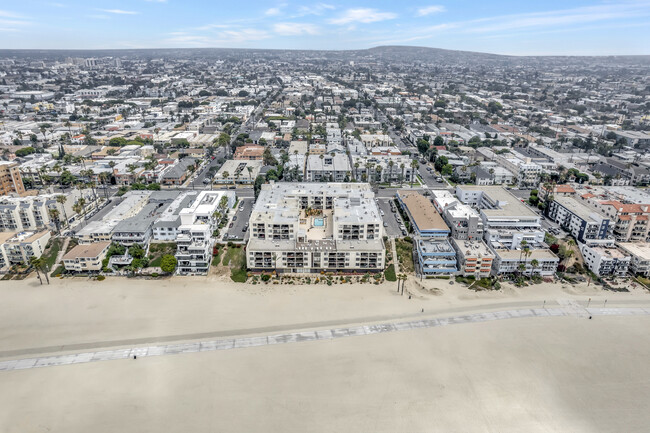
168, 263
101, 278
265, 277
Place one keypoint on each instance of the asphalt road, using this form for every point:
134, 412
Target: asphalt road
237, 231
429, 178
198, 180
392, 219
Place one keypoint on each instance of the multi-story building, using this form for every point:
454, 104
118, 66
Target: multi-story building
474, 257
434, 252
18, 248
328, 168
603, 259
383, 168
316, 227
512, 231
86, 257
10, 179
639, 253
101, 230
34, 212
579, 220
194, 240
631, 221
506, 220
464, 221
510, 261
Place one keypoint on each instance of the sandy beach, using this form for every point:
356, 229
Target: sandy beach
551, 374
114, 312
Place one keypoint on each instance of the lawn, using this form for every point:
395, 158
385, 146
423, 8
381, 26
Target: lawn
217, 259
389, 273
235, 258
49, 256
158, 250
405, 254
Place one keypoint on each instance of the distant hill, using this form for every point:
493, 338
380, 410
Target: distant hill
394, 53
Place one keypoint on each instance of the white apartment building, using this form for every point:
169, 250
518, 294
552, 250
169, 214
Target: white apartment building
582, 222
399, 171
194, 238
86, 257
324, 168
639, 253
465, 222
507, 224
18, 248
33, 212
316, 227
603, 259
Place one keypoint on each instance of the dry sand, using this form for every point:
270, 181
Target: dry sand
39, 318
552, 374
524, 375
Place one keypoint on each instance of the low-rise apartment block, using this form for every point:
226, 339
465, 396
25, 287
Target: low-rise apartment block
474, 258
18, 248
639, 253
86, 257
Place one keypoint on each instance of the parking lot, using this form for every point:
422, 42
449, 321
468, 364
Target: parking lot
239, 225
392, 219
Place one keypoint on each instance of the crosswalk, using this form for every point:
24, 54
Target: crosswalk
567, 308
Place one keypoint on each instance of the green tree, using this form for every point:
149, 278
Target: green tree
168, 263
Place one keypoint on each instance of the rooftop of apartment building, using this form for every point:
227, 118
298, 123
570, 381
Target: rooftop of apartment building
472, 248
609, 252
86, 250
537, 254
579, 209
638, 249
507, 205
278, 203
424, 214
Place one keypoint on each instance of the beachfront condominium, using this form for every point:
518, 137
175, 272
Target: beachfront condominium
314, 227
581, 221
197, 224
512, 231
435, 254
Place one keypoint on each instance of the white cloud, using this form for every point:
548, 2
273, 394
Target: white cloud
294, 29
243, 35
119, 12
271, 12
317, 9
428, 10
362, 15
526, 22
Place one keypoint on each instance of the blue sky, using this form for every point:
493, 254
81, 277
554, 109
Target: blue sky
570, 27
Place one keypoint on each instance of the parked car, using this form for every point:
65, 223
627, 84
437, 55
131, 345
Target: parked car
231, 225
234, 218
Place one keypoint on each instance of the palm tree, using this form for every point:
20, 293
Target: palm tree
61, 199
250, 172
38, 263
104, 177
378, 173
391, 164
414, 167
401, 177
535, 264
54, 215
356, 170
225, 175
